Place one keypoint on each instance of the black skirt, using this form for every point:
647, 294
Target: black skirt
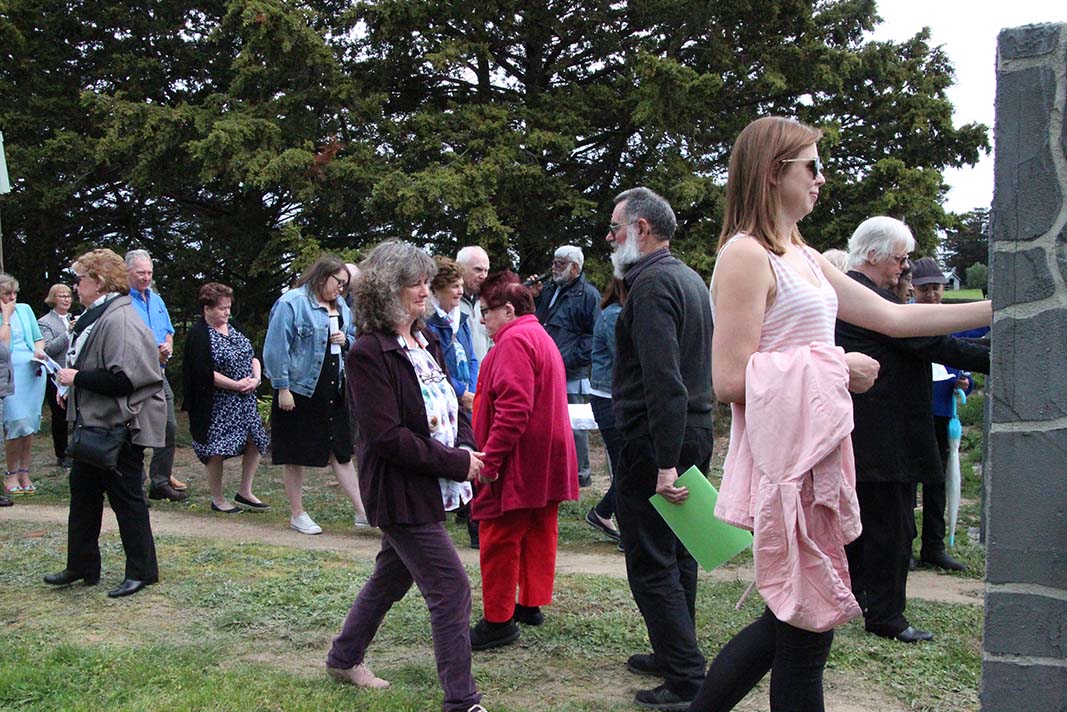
317, 426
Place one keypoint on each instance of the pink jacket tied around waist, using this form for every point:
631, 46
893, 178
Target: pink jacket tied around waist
790, 478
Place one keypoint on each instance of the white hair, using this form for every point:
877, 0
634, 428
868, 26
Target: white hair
133, 255
468, 254
571, 253
875, 240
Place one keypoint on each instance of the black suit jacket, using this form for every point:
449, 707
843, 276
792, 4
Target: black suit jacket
894, 423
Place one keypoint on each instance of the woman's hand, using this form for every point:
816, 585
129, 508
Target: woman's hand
285, 399
65, 376
7, 309
862, 371
466, 401
247, 385
665, 486
474, 469
338, 338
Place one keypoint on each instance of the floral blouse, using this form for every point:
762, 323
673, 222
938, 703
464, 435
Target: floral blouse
442, 412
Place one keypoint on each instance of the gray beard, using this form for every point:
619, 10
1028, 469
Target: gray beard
623, 258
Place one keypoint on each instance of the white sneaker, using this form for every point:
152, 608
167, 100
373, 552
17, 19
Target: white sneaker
477, 708
361, 521
305, 524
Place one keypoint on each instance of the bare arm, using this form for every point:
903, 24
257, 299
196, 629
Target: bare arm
740, 288
860, 306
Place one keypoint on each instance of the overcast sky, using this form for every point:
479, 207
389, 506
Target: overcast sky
968, 32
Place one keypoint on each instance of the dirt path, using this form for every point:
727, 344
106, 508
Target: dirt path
364, 544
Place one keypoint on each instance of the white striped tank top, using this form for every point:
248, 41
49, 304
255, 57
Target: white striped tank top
802, 313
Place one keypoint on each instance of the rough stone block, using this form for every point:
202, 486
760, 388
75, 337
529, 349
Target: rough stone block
1025, 624
1027, 41
1023, 688
1021, 277
1026, 190
1028, 380
1027, 509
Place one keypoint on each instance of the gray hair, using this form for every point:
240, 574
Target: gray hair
388, 268
134, 255
7, 282
468, 253
879, 235
571, 253
644, 203
838, 258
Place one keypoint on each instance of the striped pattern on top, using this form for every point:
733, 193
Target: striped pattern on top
801, 313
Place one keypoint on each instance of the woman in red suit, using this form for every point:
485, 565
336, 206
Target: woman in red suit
521, 421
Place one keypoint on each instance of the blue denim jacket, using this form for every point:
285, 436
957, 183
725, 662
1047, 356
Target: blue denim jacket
604, 348
297, 340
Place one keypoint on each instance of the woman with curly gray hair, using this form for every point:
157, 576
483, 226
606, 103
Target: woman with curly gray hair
406, 413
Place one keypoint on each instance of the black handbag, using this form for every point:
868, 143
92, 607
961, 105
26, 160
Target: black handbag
97, 445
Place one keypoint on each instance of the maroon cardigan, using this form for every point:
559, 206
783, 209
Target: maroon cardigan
399, 462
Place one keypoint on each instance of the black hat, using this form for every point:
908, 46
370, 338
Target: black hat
927, 271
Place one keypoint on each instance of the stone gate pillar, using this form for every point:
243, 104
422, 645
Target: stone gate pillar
1024, 648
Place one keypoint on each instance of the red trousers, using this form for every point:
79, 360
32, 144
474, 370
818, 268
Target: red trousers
518, 550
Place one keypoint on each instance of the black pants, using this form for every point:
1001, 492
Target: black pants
661, 571
123, 487
795, 658
59, 420
878, 559
933, 533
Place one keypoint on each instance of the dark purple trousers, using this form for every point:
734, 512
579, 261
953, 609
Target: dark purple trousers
421, 554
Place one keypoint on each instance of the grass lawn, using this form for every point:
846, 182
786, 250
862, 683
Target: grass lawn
245, 626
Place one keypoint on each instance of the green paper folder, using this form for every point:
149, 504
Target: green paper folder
711, 541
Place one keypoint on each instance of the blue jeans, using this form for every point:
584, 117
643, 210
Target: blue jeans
613, 440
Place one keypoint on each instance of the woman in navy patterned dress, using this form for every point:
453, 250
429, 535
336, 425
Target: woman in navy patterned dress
221, 377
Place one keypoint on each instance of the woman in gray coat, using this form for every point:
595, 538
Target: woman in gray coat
55, 329
114, 380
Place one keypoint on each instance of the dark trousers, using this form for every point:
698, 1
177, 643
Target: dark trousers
123, 487
163, 457
878, 559
661, 571
423, 554
795, 658
613, 440
59, 420
933, 533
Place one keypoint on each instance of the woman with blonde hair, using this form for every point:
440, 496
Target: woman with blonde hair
22, 409
115, 390
55, 329
775, 302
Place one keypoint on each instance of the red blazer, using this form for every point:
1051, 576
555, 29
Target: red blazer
523, 424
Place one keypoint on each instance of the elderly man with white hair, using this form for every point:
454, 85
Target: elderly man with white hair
568, 308
474, 264
893, 436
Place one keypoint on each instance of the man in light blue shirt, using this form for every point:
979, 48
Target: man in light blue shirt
154, 312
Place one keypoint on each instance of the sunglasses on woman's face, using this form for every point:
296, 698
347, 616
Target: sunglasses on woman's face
814, 164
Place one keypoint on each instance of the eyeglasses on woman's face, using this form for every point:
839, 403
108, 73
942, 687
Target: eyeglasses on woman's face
342, 284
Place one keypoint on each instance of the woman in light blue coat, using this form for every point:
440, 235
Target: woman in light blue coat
22, 409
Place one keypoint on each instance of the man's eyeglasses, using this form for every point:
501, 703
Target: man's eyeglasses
560, 263
901, 259
614, 229
814, 164
342, 284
